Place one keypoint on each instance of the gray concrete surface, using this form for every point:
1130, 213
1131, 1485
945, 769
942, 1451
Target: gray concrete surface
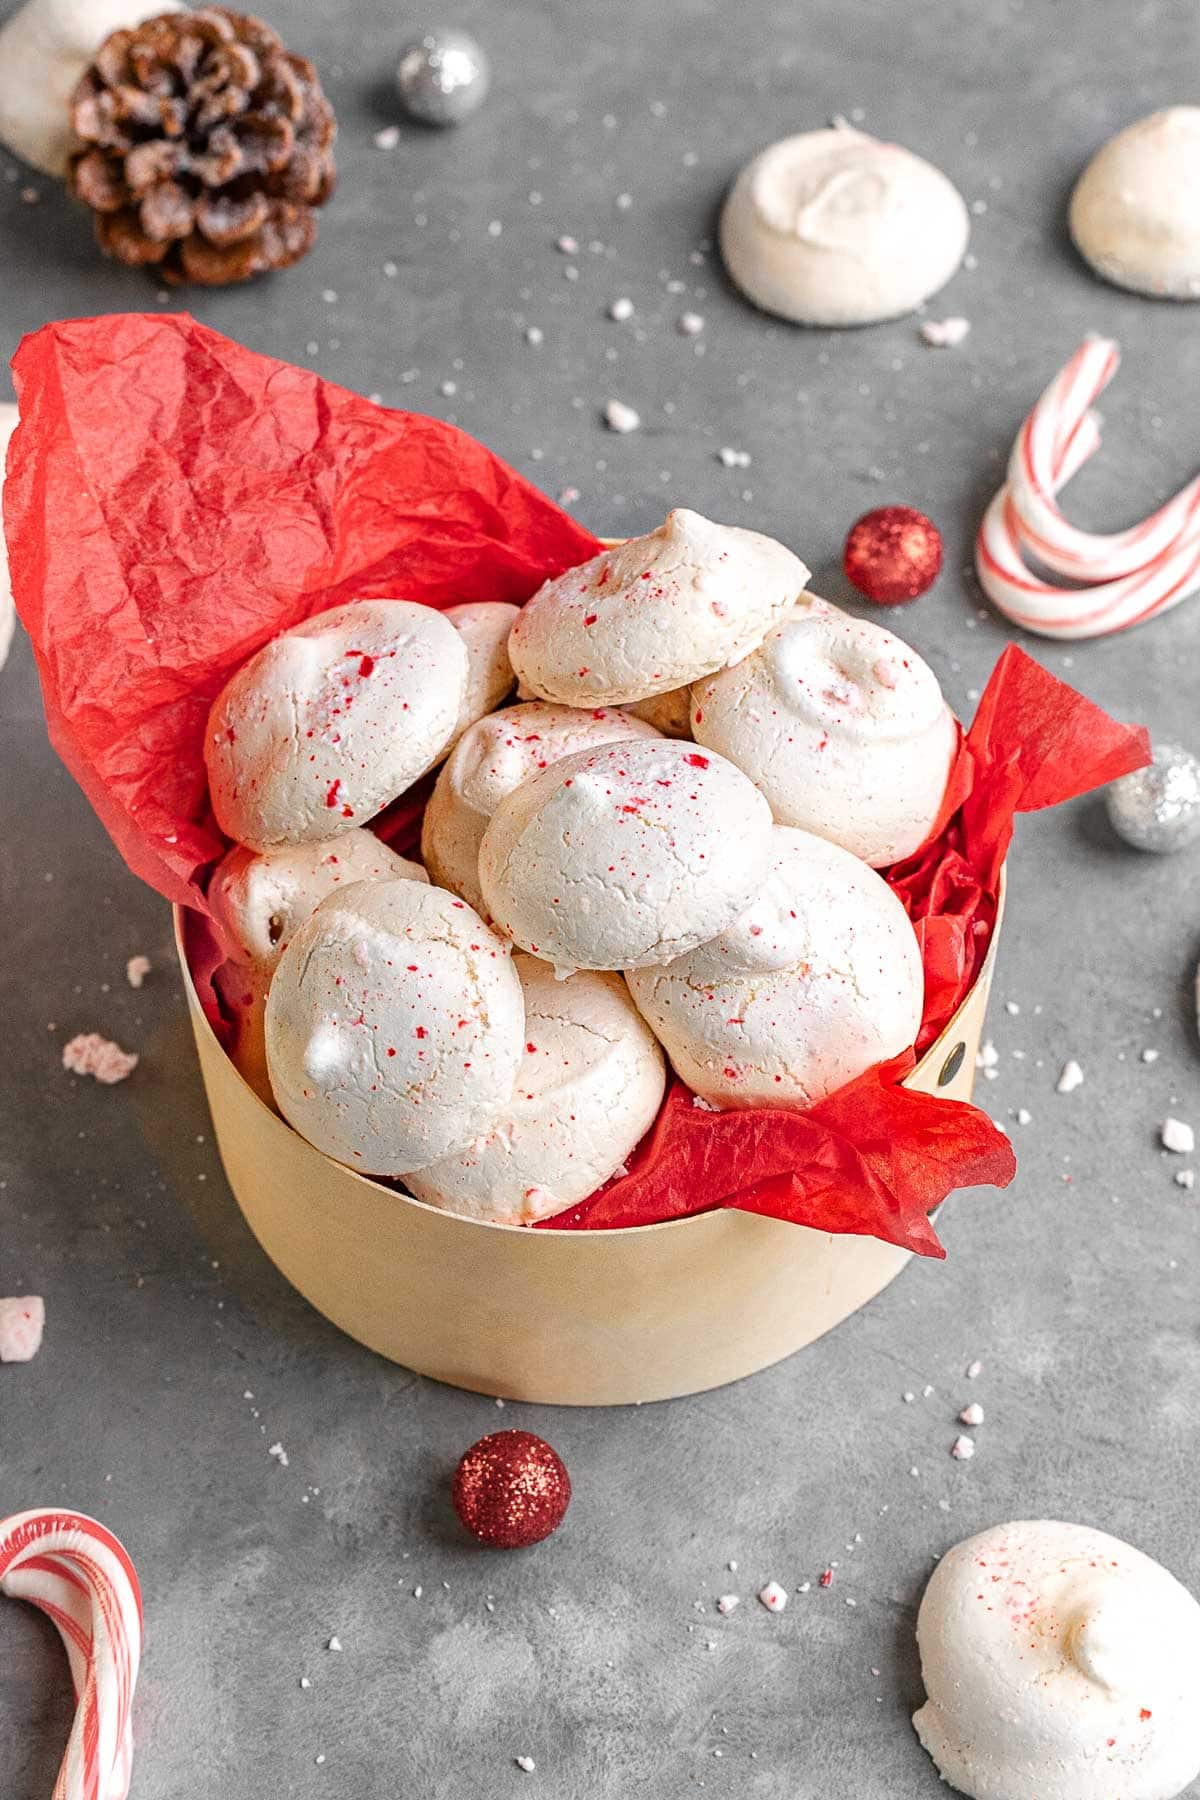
600, 1654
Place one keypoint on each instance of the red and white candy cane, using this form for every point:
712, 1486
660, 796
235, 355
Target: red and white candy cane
1125, 577
81, 1577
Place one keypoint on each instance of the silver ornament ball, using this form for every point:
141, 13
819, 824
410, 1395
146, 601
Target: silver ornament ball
1158, 807
443, 76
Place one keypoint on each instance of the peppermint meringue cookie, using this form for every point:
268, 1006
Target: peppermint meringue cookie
258, 901
495, 756
1135, 212
484, 627
1060, 1664
624, 856
670, 713
817, 980
332, 720
653, 613
588, 1089
395, 1026
835, 228
8, 612
842, 726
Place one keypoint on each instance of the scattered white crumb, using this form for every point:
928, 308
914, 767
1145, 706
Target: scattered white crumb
962, 1449
335, 1643
972, 1414
527, 1763
987, 1057
773, 1597
22, 1321
388, 138
280, 1455
974, 1370
1178, 1136
1184, 1178
727, 1602
1149, 1056
137, 969
305, 1682
534, 334
928, 1392
1024, 1116
689, 324
704, 1105
619, 417
568, 245
621, 308
90, 1054
1070, 1079
908, 1396
319, 1758
945, 334
1012, 1008
499, 1402
733, 459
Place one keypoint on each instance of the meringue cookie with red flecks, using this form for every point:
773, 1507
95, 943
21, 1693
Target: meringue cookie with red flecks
1060, 1664
626, 855
258, 900
484, 627
495, 756
395, 1026
653, 613
817, 980
841, 725
332, 720
588, 1088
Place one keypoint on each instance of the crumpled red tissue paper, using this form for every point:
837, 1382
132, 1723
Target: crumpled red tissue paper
174, 501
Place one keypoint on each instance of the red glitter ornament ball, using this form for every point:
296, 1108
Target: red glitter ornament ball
511, 1490
893, 554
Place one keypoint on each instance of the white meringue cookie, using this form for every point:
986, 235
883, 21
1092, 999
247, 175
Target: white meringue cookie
395, 1026
258, 901
1135, 212
1060, 1664
588, 1089
626, 855
670, 713
841, 725
496, 755
8, 612
835, 228
332, 720
653, 613
817, 980
484, 627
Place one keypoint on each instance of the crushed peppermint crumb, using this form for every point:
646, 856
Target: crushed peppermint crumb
527, 1763
534, 334
974, 1370
568, 245
727, 1602
962, 1449
619, 417
689, 324
621, 308
733, 459
22, 1321
281, 1457
335, 1643
1024, 1116
1184, 1178
1177, 1135
91, 1054
908, 1396
1070, 1079
773, 1597
1149, 1056
945, 334
388, 138
987, 1057
972, 1414
826, 1579
1012, 1008
305, 1682
137, 969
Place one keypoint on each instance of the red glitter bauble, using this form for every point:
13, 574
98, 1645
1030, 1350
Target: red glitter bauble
511, 1490
893, 554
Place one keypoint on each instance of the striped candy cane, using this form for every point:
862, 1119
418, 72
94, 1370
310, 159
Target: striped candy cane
1125, 576
78, 1574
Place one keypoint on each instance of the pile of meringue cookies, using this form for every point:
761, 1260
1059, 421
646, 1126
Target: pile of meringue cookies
669, 843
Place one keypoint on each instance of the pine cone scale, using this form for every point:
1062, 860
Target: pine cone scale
204, 147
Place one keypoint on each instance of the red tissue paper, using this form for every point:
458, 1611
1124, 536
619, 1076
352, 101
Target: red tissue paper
174, 501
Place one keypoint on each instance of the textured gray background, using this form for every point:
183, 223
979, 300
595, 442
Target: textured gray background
603, 1657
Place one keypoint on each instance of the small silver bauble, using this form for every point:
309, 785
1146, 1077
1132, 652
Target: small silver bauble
443, 76
1158, 808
